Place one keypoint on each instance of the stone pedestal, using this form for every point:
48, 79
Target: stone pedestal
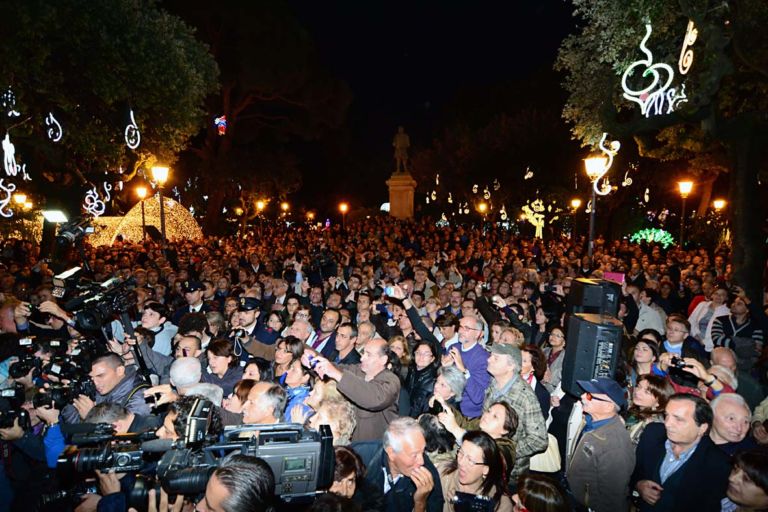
401, 192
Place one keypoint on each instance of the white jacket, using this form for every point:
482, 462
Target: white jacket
698, 313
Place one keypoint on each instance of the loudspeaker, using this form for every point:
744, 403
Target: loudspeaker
592, 349
596, 296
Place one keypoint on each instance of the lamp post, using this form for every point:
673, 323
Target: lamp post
685, 188
160, 175
575, 205
595, 167
719, 204
142, 193
343, 208
482, 208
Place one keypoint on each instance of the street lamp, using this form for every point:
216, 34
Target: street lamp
310, 216
285, 207
142, 193
160, 175
685, 188
20, 198
595, 167
260, 205
575, 205
343, 208
719, 204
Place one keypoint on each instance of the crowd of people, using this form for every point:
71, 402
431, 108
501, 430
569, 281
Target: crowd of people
434, 354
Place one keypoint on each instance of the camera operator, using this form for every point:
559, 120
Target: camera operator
240, 483
114, 383
121, 419
58, 324
24, 452
153, 317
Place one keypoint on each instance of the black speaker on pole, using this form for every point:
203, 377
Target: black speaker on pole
592, 349
596, 296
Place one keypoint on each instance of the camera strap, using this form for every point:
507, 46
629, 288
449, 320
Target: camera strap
127, 399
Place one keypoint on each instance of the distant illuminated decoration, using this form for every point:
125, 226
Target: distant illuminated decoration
658, 97
651, 236
384, 207
221, 125
598, 167
686, 54
535, 215
4, 201
54, 128
132, 133
9, 157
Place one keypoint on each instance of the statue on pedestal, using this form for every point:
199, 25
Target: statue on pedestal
401, 143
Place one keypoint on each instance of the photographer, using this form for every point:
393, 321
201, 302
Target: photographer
240, 483
114, 383
54, 323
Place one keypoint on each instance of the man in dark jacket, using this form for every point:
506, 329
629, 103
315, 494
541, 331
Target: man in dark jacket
398, 468
115, 384
678, 467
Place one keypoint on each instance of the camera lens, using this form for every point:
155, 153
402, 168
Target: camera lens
188, 481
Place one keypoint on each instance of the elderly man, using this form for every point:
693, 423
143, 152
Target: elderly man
399, 469
678, 467
747, 387
471, 358
730, 425
601, 462
265, 404
506, 385
370, 386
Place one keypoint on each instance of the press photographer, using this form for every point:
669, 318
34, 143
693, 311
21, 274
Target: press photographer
114, 383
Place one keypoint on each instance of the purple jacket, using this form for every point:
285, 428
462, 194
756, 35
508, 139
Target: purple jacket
476, 361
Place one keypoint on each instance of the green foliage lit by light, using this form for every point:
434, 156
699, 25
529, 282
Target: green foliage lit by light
653, 235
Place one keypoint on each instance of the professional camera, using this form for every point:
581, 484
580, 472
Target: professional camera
23, 366
73, 495
11, 408
465, 502
96, 304
119, 453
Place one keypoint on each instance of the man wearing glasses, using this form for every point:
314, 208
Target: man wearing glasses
600, 463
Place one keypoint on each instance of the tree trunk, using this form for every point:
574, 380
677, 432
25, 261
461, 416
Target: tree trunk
747, 212
706, 196
213, 211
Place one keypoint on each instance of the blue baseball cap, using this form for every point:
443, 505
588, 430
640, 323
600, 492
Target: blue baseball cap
604, 386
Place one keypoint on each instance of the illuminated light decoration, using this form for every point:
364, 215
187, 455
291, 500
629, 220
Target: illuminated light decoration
534, 215
474, 189
653, 98
24, 175
589, 207
132, 133
528, 173
221, 125
8, 189
503, 213
8, 101
443, 217
450, 198
686, 53
486, 194
627, 180
596, 175
496, 184
437, 179
9, 156
55, 131
647, 195
427, 198
93, 203
653, 235
107, 190
433, 196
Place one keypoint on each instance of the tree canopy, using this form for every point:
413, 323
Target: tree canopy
91, 64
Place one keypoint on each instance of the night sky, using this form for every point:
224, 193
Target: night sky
405, 62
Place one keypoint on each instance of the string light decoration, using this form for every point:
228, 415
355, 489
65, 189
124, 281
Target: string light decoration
528, 173
221, 125
9, 156
627, 180
658, 97
179, 222
598, 167
8, 101
686, 53
24, 228
4, 201
55, 132
534, 214
132, 133
653, 235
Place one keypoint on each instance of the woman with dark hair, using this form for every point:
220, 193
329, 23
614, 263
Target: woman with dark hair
643, 356
538, 493
748, 483
259, 369
650, 315
554, 351
420, 381
532, 371
349, 480
649, 398
223, 368
478, 471
289, 349
441, 444
234, 402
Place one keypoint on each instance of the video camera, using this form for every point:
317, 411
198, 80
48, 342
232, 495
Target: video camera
11, 408
100, 448
96, 304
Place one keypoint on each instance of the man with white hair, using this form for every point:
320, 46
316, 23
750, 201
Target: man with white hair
748, 387
730, 426
398, 468
185, 373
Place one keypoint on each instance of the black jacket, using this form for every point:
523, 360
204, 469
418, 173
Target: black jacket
400, 497
420, 385
700, 484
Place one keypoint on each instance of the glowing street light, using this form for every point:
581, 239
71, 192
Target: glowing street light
594, 167
310, 216
19, 198
575, 203
160, 175
142, 193
260, 205
27, 205
719, 204
343, 208
685, 188
285, 206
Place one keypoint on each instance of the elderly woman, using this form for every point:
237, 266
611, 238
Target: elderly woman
449, 386
339, 414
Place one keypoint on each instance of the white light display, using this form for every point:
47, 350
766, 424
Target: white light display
658, 97
474, 189
486, 194
496, 184
686, 54
9, 157
132, 133
450, 198
627, 180
54, 128
93, 204
8, 101
534, 214
503, 213
528, 173
604, 188
4, 201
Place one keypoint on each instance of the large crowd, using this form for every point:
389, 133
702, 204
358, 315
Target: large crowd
434, 354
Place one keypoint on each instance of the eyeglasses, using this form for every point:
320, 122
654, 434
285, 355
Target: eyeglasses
591, 397
468, 328
461, 456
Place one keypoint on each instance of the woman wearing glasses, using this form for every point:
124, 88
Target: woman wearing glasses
476, 476
555, 353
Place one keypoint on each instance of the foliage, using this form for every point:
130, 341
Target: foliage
653, 235
90, 63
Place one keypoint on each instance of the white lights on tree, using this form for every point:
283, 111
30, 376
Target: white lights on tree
9, 156
4, 201
93, 203
132, 133
686, 54
8, 101
658, 97
602, 165
54, 128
